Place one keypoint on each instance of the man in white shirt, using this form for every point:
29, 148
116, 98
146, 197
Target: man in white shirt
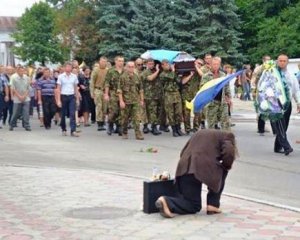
281, 144
68, 97
20, 85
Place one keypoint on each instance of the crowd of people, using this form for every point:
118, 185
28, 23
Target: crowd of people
119, 96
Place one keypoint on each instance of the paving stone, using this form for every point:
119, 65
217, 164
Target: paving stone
34, 203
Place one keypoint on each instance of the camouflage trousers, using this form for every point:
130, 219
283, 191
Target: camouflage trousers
216, 112
173, 112
142, 114
162, 113
130, 112
187, 118
114, 109
152, 110
99, 103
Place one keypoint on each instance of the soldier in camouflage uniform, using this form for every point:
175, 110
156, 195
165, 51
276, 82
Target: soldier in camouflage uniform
173, 102
130, 90
139, 69
204, 70
190, 87
97, 91
152, 92
111, 96
219, 106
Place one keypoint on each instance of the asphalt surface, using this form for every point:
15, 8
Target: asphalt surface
258, 173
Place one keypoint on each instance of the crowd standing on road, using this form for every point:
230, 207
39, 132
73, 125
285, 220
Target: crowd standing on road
123, 95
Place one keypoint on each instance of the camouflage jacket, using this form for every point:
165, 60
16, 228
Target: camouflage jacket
98, 79
112, 79
205, 69
169, 81
190, 89
130, 88
152, 89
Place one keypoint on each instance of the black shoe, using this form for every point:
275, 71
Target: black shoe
278, 150
178, 129
146, 130
164, 128
288, 151
217, 127
194, 130
154, 130
101, 126
167, 128
11, 128
119, 130
28, 129
110, 128
175, 133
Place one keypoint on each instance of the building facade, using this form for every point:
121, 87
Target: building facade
7, 27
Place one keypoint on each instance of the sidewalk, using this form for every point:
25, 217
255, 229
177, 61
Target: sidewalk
49, 203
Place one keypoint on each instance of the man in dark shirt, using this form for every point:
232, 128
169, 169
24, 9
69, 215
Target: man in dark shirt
46, 96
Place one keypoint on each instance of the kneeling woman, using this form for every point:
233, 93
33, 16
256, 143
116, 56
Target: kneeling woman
206, 158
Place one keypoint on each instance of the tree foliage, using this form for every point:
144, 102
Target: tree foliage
35, 36
75, 24
269, 27
130, 27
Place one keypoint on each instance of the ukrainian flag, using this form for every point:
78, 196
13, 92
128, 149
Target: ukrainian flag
209, 91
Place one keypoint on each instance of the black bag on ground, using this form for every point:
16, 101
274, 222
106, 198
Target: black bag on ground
153, 190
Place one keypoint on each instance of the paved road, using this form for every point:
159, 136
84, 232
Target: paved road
60, 204
259, 173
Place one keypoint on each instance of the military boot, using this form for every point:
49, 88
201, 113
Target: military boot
101, 126
146, 130
138, 135
164, 128
175, 133
154, 130
110, 128
178, 129
120, 130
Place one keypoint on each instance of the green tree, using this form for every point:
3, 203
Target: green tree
131, 27
75, 23
219, 32
35, 35
151, 27
279, 34
258, 17
113, 17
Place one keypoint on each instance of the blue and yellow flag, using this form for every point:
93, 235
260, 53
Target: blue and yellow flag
209, 91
